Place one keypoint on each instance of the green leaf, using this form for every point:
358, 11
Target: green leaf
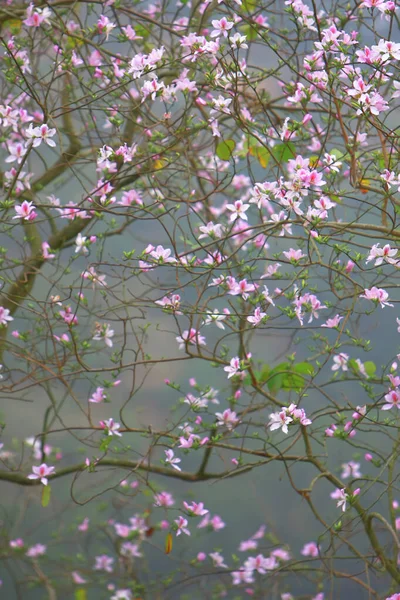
46, 493
276, 377
284, 152
292, 382
370, 368
264, 373
80, 594
225, 149
304, 368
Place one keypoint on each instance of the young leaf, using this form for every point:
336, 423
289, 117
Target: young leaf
46, 493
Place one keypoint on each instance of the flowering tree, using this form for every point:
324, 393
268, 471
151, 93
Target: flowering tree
198, 195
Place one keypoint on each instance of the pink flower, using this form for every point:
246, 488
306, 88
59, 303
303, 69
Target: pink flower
380, 255
242, 576
331, 323
45, 249
228, 419
238, 210
191, 337
342, 497
181, 526
340, 362
69, 317
122, 530
218, 560
41, 134
5, 316
215, 522
111, 427
248, 545
163, 499
351, 469
233, 368
377, 295
310, 549
104, 563
25, 211
104, 332
257, 318
105, 26
221, 27
37, 550
42, 473
77, 578
293, 255
195, 509
170, 460
98, 396
84, 526
36, 16
260, 564
279, 420
392, 400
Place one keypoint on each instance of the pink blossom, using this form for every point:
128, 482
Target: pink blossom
279, 420
42, 472
111, 427
181, 526
170, 460
98, 396
25, 211
37, 550
45, 250
84, 526
233, 368
218, 560
104, 332
228, 419
243, 576
104, 563
331, 323
77, 578
195, 509
340, 362
293, 255
392, 400
190, 337
40, 134
164, 499
69, 316
260, 564
351, 469
5, 316
238, 210
221, 27
310, 549
36, 16
257, 317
